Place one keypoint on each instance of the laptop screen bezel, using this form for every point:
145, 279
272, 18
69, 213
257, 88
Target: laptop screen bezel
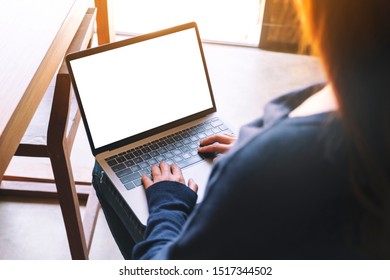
122, 43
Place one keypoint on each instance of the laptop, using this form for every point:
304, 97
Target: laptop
145, 100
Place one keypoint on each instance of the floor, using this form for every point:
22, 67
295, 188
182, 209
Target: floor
32, 228
241, 78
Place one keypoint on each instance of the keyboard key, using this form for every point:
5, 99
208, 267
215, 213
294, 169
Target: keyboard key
160, 158
170, 147
178, 145
146, 157
200, 129
186, 155
185, 149
177, 159
189, 161
147, 172
143, 165
118, 167
138, 153
162, 143
129, 156
154, 147
138, 160
216, 123
135, 168
121, 159
185, 135
223, 127
152, 161
123, 172
202, 135
130, 177
162, 151
112, 157
129, 163
111, 162
169, 155
130, 186
194, 146
216, 130
154, 153
138, 182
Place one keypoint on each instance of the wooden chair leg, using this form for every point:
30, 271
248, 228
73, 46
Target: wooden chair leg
59, 153
90, 218
69, 205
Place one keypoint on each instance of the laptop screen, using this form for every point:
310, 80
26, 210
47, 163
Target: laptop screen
141, 85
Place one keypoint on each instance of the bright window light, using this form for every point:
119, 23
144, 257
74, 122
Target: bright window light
231, 21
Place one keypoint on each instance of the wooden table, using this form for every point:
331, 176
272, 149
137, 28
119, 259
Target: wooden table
34, 38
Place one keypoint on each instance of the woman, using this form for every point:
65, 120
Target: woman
308, 180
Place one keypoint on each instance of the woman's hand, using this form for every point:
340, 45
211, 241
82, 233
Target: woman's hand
166, 172
219, 143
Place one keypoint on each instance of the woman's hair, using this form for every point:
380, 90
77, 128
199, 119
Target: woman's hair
352, 39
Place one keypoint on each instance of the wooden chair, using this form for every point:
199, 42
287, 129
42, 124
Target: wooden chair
55, 130
281, 30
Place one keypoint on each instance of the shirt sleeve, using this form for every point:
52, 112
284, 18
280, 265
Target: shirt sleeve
169, 203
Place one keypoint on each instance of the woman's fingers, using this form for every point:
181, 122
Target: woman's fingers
215, 148
146, 181
192, 185
220, 138
166, 172
165, 169
177, 175
156, 173
219, 143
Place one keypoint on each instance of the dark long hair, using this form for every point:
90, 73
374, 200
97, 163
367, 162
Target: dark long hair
352, 39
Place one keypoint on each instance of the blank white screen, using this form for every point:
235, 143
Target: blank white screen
132, 89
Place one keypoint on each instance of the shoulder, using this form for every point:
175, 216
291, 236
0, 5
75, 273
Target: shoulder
290, 152
289, 137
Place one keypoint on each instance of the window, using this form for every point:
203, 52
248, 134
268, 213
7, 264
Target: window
230, 21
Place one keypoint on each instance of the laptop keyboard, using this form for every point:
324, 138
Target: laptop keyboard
180, 148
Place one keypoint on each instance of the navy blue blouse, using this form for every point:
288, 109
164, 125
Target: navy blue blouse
278, 194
